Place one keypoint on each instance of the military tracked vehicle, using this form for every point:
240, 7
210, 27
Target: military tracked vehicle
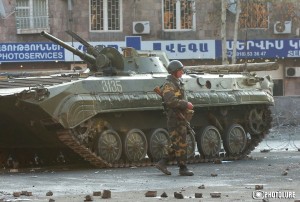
111, 116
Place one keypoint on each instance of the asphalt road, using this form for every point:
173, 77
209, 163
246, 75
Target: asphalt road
235, 180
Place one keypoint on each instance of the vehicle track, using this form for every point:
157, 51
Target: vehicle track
66, 136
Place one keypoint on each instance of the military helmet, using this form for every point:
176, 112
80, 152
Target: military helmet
174, 66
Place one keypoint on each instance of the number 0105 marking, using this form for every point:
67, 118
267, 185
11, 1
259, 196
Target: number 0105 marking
112, 86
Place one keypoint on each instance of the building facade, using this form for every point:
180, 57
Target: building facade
189, 30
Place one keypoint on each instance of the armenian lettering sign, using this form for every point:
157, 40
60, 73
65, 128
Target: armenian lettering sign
185, 49
31, 52
175, 49
262, 49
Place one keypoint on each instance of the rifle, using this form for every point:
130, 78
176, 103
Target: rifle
187, 123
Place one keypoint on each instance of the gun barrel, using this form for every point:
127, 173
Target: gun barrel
84, 56
265, 66
78, 38
90, 49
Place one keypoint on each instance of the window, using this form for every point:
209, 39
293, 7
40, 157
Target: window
32, 16
178, 14
254, 14
105, 15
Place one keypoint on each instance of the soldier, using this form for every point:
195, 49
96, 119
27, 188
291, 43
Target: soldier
176, 105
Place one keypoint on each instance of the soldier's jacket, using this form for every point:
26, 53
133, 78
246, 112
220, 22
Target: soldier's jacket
174, 99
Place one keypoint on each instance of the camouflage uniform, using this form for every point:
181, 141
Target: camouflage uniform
176, 106
175, 103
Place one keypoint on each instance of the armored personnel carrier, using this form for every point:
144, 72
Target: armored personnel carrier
111, 116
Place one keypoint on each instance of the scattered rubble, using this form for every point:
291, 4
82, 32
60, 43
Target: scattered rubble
97, 193
164, 195
49, 193
214, 174
284, 172
284, 169
198, 195
178, 195
17, 194
23, 193
106, 194
151, 194
259, 187
26, 193
88, 198
215, 194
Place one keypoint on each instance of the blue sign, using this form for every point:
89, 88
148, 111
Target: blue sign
183, 49
262, 49
134, 42
174, 49
31, 52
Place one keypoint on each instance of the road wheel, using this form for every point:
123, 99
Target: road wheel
159, 141
109, 146
258, 120
135, 145
235, 140
209, 142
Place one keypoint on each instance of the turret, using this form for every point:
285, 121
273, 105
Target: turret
84, 56
108, 60
248, 67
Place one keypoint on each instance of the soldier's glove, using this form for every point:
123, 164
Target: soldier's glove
190, 106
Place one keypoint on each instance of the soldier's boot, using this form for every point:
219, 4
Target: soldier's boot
162, 166
184, 171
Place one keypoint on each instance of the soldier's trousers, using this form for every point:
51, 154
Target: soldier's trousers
178, 147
